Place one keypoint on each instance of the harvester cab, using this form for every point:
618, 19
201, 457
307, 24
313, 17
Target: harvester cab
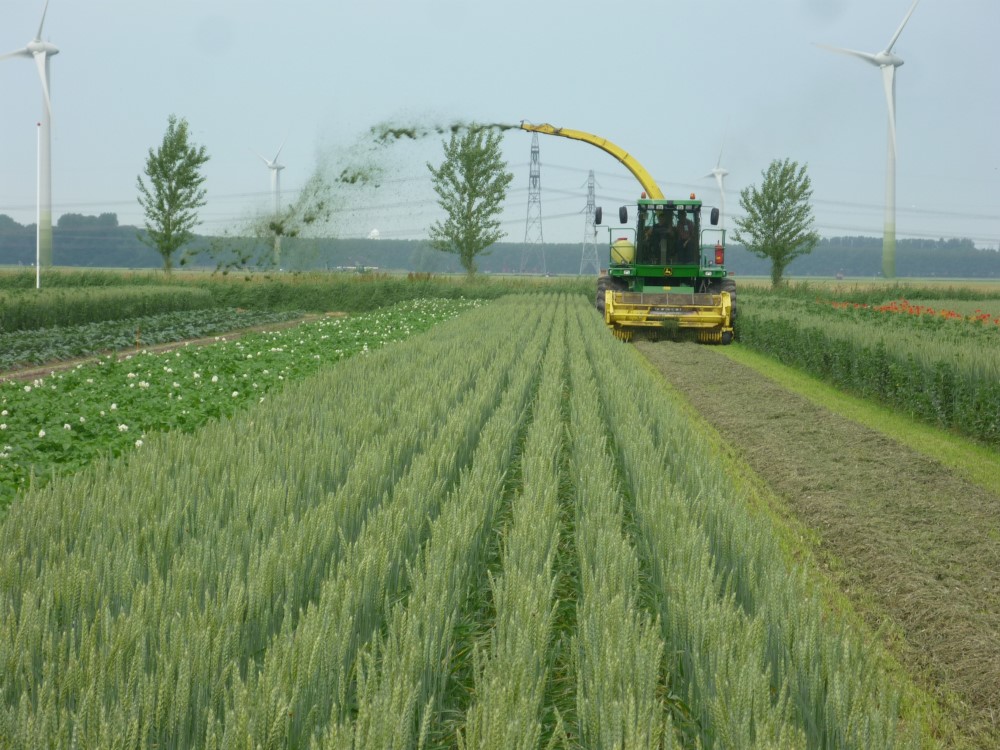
667, 271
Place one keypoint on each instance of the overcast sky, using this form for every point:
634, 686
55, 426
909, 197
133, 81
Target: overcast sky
672, 83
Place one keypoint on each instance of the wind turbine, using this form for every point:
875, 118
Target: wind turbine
275, 167
888, 62
42, 51
719, 173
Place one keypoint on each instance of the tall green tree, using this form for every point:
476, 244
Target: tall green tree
779, 219
174, 194
471, 184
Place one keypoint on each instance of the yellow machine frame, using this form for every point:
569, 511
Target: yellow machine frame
709, 315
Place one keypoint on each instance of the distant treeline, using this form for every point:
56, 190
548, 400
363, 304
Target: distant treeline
101, 242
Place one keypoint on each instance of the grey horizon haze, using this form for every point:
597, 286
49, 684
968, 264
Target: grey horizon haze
670, 83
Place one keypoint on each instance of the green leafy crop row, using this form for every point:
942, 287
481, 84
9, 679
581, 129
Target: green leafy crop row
44, 345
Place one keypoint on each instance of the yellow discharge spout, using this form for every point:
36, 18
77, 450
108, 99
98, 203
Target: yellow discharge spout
645, 179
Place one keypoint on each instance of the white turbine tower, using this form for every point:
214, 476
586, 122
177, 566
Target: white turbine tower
275, 167
719, 173
888, 62
42, 51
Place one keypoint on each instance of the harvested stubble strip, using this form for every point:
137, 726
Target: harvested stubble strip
306, 683
618, 647
403, 676
168, 553
753, 639
510, 678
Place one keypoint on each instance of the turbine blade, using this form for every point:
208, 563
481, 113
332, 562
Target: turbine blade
19, 53
889, 82
40, 61
45, 10
866, 56
724, 134
900, 29
279, 151
261, 157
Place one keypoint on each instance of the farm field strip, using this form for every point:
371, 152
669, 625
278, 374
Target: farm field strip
402, 677
911, 544
297, 576
974, 461
741, 623
618, 646
374, 573
31, 309
57, 424
243, 577
512, 671
20, 349
946, 372
956, 310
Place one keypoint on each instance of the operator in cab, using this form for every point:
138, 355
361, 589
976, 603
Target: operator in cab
685, 239
658, 238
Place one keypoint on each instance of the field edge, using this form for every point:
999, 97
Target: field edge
933, 711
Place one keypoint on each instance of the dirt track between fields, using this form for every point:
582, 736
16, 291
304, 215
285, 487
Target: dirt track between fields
916, 548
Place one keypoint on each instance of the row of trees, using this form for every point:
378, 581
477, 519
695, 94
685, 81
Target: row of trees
471, 183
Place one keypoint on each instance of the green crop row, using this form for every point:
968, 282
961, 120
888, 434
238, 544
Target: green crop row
618, 647
23, 310
946, 372
512, 670
307, 573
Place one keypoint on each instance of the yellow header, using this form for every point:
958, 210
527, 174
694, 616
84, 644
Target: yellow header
652, 189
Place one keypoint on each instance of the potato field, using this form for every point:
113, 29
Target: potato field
503, 531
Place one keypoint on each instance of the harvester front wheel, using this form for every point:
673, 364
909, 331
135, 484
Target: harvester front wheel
729, 285
603, 282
